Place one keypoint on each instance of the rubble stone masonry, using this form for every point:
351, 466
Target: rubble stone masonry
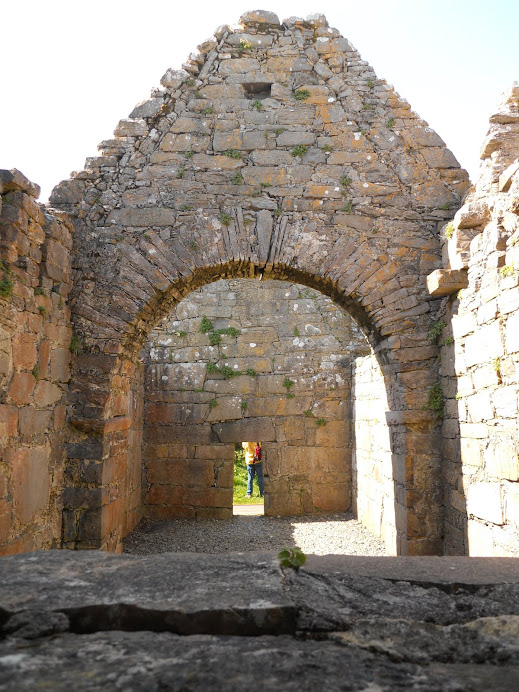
35, 335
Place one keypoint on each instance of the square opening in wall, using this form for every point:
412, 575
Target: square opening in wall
258, 90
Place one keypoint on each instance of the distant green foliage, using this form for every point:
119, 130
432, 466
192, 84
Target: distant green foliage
240, 482
299, 150
292, 557
301, 94
435, 331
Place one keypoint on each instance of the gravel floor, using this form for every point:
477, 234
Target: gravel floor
337, 533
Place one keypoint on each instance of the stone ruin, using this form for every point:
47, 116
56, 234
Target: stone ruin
274, 154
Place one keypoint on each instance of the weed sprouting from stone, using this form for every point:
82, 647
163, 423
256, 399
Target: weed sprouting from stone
237, 178
507, 270
181, 171
299, 150
213, 404
449, 231
292, 557
251, 372
320, 422
301, 94
189, 153
208, 110
205, 325
225, 218
257, 105
390, 123
244, 46
435, 331
435, 401
232, 153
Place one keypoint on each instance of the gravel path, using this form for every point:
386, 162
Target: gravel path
337, 533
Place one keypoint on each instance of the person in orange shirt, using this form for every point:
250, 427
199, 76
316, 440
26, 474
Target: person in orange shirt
254, 462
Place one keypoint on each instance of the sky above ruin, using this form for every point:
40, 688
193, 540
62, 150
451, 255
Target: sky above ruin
72, 70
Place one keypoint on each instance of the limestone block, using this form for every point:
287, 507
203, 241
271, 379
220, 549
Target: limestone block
480, 407
238, 65
147, 109
502, 459
30, 481
505, 401
261, 429
484, 502
15, 180
260, 19
292, 139
288, 64
480, 536
507, 176
131, 128
257, 40
473, 214
484, 345
173, 78
471, 454
444, 282
439, 157
185, 124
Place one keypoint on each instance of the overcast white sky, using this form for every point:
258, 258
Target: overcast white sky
72, 69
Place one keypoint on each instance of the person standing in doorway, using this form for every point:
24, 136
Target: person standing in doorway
254, 461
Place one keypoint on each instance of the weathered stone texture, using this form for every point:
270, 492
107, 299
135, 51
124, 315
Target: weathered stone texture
480, 353
277, 152
286, 332
35, 334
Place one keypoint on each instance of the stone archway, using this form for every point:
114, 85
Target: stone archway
277, 151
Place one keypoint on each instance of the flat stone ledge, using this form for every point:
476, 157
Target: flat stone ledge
444, 282
13, 180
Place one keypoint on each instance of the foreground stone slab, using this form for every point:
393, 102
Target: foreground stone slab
95, 620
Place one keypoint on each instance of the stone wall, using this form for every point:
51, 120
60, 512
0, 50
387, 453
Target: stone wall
35, 334
275, 152
294, 349
478, 328
377, 484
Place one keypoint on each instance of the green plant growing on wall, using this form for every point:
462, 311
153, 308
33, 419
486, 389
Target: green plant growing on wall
6, 285
326, 148
448, 341
435, 400
257, 105
507, 270
244, 406
279, 130
225, 218
77, 345
390, 123
370, 83
367, 107
244, 46
213, 404
190, 82
251, 372
39, 291
292, 557
42, 310
288, 384
181, 171
296, 332
189, 153
277, 212
301, 94
185, 207
237, 178
347, 207
232, 153
299, 150
449, 230
206, 325
345, 181
444, 207
320, 422
36, 372
435, 331
308, 413
208, 110
193, 244
198, 95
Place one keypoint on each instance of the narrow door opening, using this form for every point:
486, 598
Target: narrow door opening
249, 484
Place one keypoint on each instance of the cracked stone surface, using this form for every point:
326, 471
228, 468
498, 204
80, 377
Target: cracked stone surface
188, 621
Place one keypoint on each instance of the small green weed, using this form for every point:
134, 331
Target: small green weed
193, 245
301, 94
345, 180
507, 270
370, 83
435, 331
186, 207
449, 230
225, 218
244, 406
251, 372
77, 345
299, 150
278, 212
308, 413
205, 325
320, 422
237, 178
292, 557
347, 207
390, 123
213, 404
181, 171
190, 82
435, 400
36, 372
367, 107
208, 110
244, 46
279, 130
448, 341
6, 288
444, 207
42, 310
296, 332
257, 105
232, 153
264, 185
327, 148
189, 153
39, 291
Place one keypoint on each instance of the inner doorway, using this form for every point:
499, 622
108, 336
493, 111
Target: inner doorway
247, 477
